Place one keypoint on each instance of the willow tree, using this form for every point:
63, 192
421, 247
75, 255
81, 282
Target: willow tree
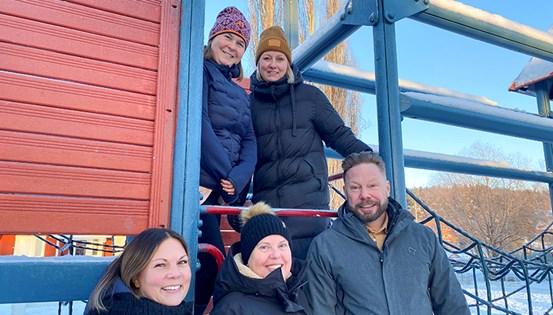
265, 13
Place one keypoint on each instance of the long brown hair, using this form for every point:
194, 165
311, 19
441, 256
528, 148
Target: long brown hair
131, 262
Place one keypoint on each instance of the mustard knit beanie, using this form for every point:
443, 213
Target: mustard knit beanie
273, 39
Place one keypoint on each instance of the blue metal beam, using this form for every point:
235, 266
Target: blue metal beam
337, 29
477, 116
449, 163
395, 10
468, 21
364, 81
37, 279
455, 164
186, 164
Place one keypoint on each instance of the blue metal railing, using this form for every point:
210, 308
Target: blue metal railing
493, 265
415, 101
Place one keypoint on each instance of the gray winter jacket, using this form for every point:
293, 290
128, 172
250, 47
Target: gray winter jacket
348, 274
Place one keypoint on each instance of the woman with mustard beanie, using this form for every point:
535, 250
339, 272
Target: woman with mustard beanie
292, 122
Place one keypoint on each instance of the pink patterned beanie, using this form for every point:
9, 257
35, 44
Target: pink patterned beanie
230, 19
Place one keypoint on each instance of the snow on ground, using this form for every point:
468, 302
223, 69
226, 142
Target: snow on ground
518, 302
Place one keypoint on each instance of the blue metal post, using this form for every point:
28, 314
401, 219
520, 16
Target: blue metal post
544, 108
387, 101
186, 174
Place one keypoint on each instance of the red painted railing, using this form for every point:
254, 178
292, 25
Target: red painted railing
279, 212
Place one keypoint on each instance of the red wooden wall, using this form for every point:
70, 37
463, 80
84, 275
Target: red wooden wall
87, 114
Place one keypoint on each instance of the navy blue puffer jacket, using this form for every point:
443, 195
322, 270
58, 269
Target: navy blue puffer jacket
228, 139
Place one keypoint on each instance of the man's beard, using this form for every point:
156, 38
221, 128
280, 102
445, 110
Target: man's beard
371, 216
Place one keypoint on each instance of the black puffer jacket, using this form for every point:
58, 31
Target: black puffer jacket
291, 121
237, 294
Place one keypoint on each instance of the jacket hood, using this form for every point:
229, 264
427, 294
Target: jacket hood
230, 279
273, 91
117, 287
353, 228
120, 287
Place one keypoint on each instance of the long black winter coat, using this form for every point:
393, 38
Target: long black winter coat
291, 121
237, 294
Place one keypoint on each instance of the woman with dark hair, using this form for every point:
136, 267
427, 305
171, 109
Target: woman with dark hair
228, 152
151, 276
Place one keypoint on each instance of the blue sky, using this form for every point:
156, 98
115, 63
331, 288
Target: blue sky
437, 57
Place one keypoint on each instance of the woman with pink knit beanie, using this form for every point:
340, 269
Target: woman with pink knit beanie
228, 147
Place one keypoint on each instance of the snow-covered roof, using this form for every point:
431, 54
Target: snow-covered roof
536, 70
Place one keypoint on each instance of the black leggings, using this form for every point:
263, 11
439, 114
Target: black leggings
211, 234
206, 275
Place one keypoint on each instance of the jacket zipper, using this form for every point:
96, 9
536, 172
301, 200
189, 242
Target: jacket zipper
278, 130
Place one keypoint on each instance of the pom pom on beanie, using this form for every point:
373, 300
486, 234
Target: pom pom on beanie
259, 222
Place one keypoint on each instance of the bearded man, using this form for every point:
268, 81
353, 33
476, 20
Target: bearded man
376, 259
